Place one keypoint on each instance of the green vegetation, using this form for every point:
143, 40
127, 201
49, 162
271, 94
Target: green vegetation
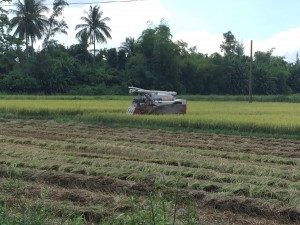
17, 208
124, 175
103, 169
152, 61
241, 98
158, 210
244, 98
267, 118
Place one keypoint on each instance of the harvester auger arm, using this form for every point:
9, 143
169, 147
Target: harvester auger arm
135, 90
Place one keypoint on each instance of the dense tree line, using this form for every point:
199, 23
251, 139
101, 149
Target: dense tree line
153, 61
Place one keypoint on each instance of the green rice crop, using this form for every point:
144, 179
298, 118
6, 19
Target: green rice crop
60, 105
258, 117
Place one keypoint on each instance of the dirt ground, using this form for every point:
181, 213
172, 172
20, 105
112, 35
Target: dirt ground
87, 167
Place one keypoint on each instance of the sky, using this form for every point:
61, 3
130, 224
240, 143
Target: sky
271, 24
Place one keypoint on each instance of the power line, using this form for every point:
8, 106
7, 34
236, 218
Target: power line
91, 3
116, 1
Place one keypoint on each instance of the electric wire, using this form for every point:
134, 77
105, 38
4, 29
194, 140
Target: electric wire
89, 3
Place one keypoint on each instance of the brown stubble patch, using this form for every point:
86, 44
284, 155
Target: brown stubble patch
85, 192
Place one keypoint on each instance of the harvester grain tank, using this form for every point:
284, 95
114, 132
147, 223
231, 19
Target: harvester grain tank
155, 102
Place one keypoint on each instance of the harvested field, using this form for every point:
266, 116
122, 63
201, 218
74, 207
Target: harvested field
96, 171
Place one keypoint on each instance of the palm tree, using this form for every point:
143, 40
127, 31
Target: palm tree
84, 44
84, 40
129, 46
94, 26
29, 22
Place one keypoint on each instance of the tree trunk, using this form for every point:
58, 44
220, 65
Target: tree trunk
94, 48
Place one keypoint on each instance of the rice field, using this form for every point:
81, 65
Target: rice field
238, 117
85, 161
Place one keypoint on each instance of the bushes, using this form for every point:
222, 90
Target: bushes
100, 89
18, 82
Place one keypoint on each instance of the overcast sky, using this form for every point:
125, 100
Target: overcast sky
269, 23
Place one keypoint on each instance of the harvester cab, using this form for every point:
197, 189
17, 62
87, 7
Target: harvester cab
155, 102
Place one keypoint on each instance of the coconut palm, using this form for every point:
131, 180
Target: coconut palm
95, 26
29, 21
84, 40
129, 46
84, 44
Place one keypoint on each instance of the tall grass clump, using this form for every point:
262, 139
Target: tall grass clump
157, 210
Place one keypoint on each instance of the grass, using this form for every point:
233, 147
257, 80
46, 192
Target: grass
221, 173
157, 210
241, 98
16, 208
219, 167
72, 161
266, 118
245, 98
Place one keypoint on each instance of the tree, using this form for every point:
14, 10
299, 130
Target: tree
235, 68
3, 24
297, 62
7, 42
270, 74
54, 69
95, 26
56, 26
239, 49
121, 59
228, 46
162, 57
129, 46
294, 78
29, 21
80, 51
137, 72
112, 58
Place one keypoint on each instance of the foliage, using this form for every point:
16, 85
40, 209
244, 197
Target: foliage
158, 210
17, 208
18, 82
95, 26
7, 42
113, 178
160, 59
294, 78
270, 74
236, 117
55, 69
228, 46
54, 25
152, 61
29, 20
129, 46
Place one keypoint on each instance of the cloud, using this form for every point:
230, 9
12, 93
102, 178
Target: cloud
285, 44
130, 19
206, 43
127, 20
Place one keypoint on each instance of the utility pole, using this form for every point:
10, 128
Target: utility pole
250, 75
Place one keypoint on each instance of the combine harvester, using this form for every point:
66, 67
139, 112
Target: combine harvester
155, 102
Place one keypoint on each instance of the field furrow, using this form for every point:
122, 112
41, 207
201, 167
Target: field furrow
97, 169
